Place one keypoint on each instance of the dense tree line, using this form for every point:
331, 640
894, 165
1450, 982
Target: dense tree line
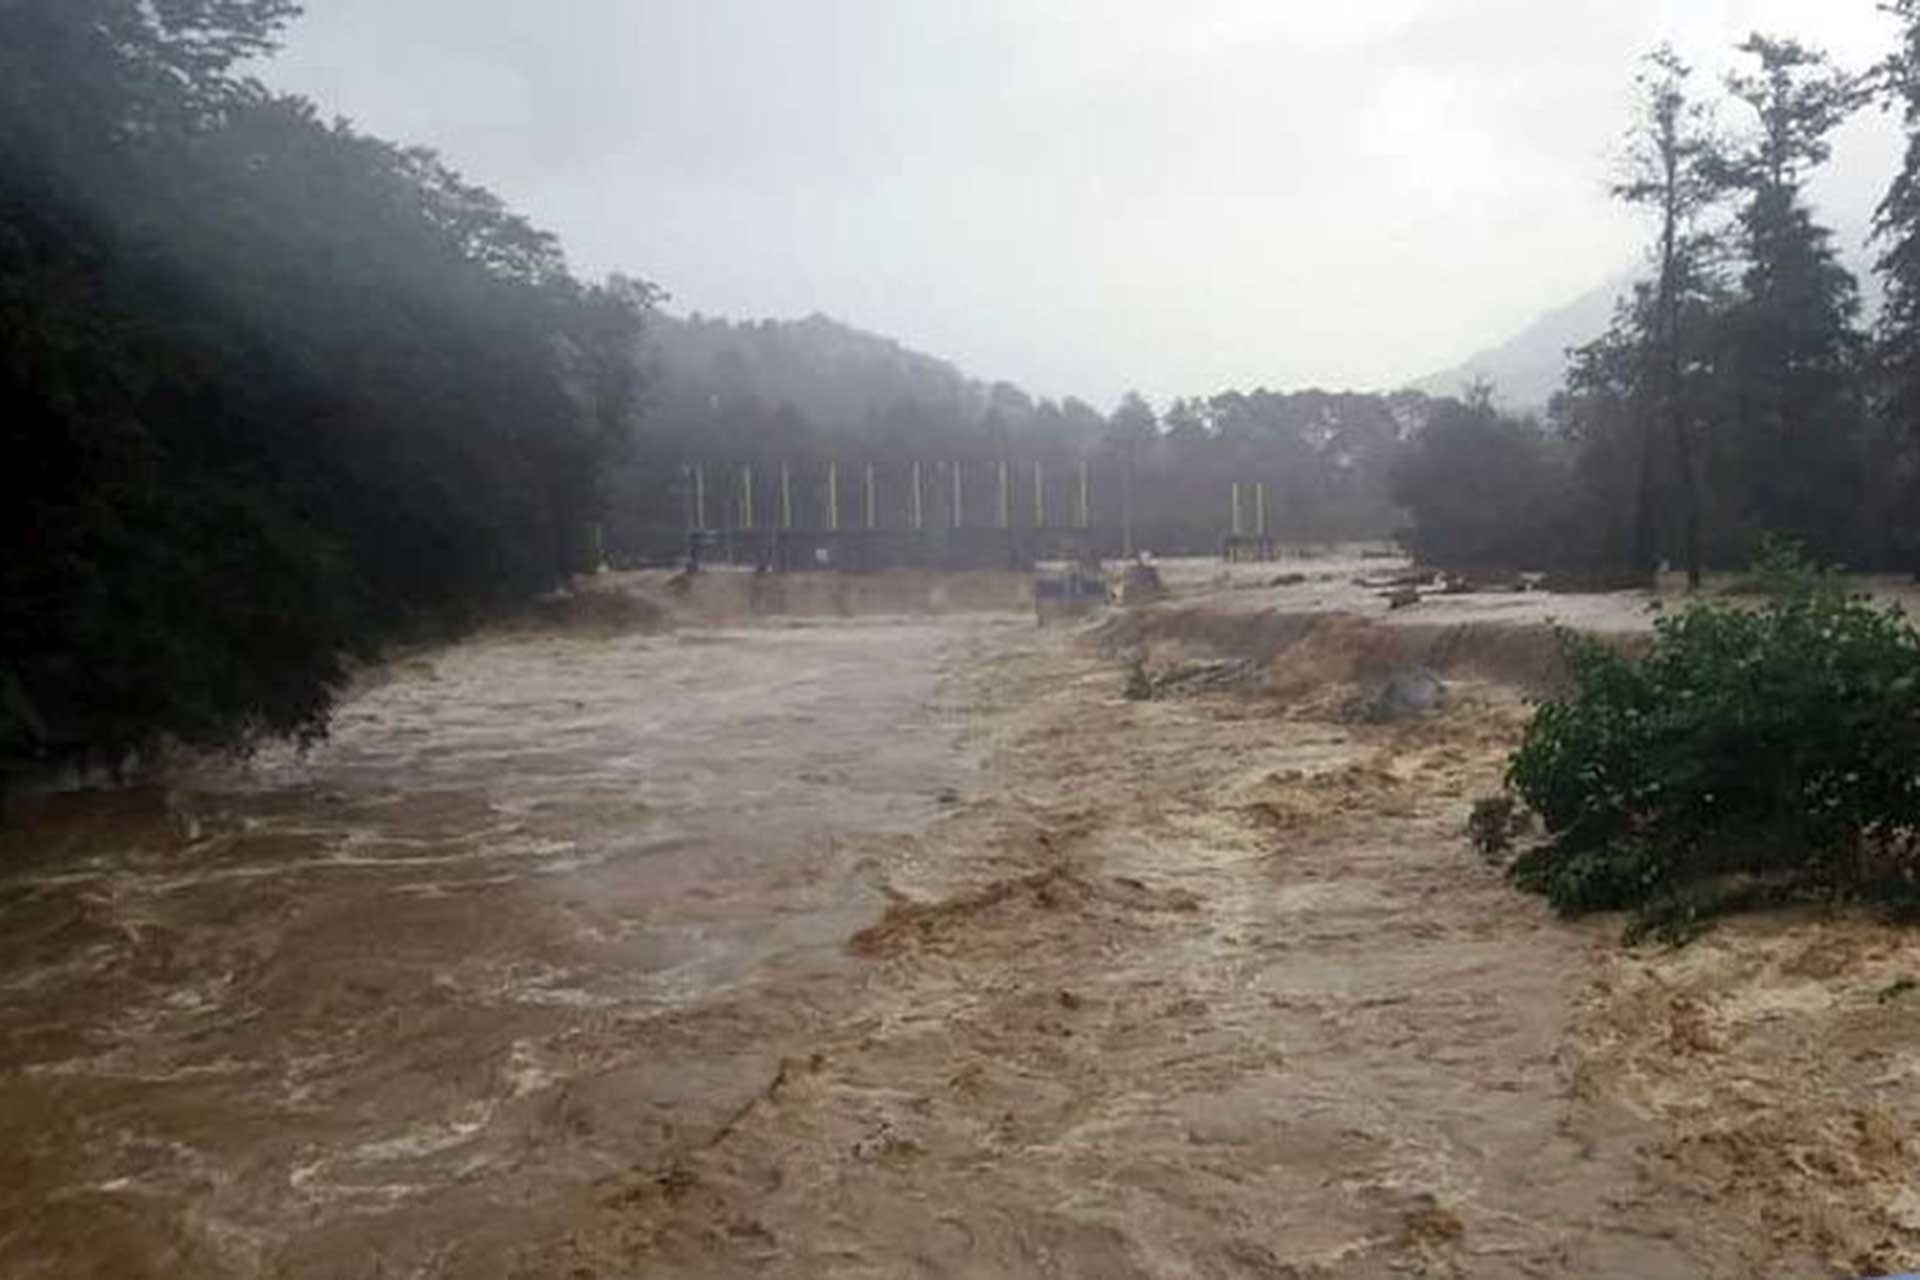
272, 391
733, 397
1738, 393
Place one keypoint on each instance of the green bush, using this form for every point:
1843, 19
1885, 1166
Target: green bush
1780, 568
1780, 742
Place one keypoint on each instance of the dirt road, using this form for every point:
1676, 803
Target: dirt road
898, 948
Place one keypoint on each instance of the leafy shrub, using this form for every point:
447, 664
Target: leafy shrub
1779, 742
1780, 568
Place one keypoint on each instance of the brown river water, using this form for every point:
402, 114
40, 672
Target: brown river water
910, 946
337, 1013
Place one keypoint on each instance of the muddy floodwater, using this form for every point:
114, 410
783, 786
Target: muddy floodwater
374, 1006
912, 946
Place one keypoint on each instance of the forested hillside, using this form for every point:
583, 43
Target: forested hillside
731, 396
272, 391
829, 372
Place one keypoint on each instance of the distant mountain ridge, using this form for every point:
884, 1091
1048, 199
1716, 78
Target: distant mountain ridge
1528, 368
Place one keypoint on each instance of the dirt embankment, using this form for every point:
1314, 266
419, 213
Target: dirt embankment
1305, 653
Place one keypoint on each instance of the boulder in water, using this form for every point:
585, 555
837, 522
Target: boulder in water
1407, 693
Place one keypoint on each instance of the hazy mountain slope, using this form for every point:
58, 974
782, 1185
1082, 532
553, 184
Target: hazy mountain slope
835, 375
1526, 369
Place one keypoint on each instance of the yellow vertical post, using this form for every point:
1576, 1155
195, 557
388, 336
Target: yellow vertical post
833, 496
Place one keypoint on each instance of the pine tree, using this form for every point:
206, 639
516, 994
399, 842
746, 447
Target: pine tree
1670, 153
1897, 228
1792, 346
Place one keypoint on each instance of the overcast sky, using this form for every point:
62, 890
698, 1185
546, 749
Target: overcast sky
1077, 195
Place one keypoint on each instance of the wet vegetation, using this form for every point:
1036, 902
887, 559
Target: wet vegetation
1753, 752
1761, 748
273, 392
1739, 392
